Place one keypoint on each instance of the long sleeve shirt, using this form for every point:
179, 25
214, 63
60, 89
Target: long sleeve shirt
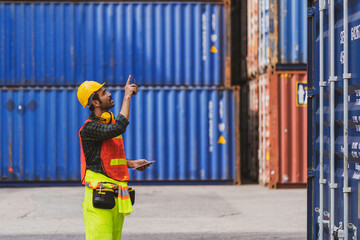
94, 133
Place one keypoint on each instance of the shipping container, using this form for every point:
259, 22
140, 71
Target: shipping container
282, 33
292, 32
192, 134
250, 162
264, 29
334, 190
159, 43
282, 129
264, 129
252, 37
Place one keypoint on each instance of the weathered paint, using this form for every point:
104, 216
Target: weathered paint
264, 129
282, 33
159, 43
292, 31
282, 130
252, 37
179, 128
264, 29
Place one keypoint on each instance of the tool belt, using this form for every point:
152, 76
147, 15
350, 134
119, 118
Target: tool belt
104, 198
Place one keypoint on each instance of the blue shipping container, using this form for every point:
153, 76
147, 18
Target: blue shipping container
190, 133
292, 32
159, 43
353, 117
282, 32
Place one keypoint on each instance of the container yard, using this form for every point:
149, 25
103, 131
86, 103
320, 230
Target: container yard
187, 49
211, 110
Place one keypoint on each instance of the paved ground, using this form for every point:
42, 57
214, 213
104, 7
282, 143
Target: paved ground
161, 213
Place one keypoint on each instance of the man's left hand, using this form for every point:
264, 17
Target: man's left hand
139, 165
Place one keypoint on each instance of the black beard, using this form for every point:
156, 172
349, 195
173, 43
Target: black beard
106, 108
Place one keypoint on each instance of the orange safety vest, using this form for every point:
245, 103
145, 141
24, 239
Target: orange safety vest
112, 157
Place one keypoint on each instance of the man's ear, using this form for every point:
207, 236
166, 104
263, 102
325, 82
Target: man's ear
96, 103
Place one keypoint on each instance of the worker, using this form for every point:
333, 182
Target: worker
104, 167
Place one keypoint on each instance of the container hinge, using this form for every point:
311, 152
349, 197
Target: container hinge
323, 181
323, 84
332, 78
333, 185
352, 226
311, 12
347, 76
326, 214
311, 173
347, 189
311, 92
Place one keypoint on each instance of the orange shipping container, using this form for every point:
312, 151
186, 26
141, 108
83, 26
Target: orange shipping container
283, 129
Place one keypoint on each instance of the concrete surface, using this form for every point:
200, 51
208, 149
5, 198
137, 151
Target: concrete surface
161, 212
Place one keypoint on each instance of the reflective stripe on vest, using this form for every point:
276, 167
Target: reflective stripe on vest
118, 161
112, 157
123, 193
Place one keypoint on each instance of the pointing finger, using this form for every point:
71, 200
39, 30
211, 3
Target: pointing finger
128, 81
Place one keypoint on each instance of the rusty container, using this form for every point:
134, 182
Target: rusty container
264, 130
282, 128
252, 33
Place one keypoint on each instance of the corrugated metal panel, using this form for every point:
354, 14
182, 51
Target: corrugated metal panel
264, 29
252, 35
273, 33
292, 31
282, 33
293, 125
282, 131
167, 43
179, 128
353, 118
264, 129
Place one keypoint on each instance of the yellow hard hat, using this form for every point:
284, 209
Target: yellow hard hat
86, 89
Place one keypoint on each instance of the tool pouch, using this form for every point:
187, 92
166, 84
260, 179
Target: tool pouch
103, 198
132, 195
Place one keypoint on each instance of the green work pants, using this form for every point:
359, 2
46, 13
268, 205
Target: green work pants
101, 224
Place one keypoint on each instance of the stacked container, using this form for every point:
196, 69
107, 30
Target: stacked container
281, 74
185, 115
